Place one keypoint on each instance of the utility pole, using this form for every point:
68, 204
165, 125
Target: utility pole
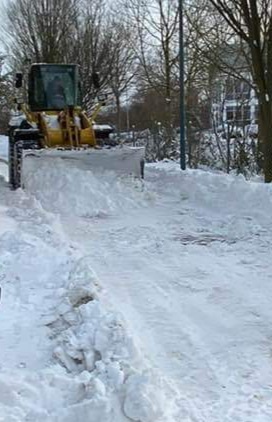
228, 147
127, 111
181, 88
133, 135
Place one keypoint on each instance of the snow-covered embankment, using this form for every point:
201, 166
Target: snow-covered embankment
65, 353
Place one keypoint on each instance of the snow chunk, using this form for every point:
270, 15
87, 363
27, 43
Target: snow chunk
94, 410
84, 284
143, 402
98, 335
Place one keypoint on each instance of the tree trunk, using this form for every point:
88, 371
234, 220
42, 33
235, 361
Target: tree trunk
265, 134
118, 114
168, 99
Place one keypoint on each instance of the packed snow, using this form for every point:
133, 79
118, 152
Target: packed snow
3, 157
127, 300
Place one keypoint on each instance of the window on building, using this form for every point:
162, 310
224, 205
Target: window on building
237, 89
242, 90
246, 114
230, 113
246, 91
239, 114
256, 112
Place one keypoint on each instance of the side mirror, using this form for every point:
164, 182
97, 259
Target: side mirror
96, 80
19, 80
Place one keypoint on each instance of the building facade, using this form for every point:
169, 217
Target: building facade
234, 102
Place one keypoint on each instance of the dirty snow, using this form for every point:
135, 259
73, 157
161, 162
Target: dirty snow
136, 301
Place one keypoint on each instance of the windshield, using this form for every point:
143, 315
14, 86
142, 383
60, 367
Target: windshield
52, 87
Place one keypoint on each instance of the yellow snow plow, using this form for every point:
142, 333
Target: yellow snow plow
52, 123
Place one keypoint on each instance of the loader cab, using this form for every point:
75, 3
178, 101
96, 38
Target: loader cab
53, 87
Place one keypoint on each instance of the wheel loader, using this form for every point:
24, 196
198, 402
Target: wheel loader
51, 123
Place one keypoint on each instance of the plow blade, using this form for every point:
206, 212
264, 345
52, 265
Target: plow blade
123, 160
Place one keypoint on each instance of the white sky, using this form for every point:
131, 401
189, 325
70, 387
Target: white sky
2, 5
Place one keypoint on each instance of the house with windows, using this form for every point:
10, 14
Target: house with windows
234, 101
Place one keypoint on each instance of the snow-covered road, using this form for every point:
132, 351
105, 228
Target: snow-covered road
185, 258
192, 275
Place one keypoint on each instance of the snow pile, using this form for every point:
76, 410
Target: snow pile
216, 190
65, 188
3, 147
227, 208
98, 349
65, 355
3, 156
143, 402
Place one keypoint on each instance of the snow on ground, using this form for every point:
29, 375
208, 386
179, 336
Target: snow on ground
50, 313
86, 194
3, 156
65, 353
185, 260
192, 275
3, 147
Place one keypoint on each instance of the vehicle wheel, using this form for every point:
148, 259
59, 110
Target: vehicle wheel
142, 168
11, 163
18, 159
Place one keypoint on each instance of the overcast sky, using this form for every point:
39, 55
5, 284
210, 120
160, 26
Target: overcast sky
2, 4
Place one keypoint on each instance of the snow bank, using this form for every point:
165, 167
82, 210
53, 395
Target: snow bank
216, 207
65, 354
3, 147
229, 193
65, 188
3, 156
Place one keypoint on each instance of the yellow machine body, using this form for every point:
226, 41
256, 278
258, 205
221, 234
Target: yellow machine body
52, 119
69, 128
54, 106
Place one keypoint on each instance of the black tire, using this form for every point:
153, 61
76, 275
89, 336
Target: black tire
18, 155
142, 164
15, 162
11, 163
20, 139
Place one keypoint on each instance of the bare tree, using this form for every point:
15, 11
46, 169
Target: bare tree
6, 95
41, 30
62, 31
93, 50
156, 23
251, 22
124, 65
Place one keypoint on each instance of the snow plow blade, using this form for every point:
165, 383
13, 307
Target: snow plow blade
121, 160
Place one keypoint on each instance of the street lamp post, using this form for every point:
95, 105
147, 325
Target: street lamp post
181, 85
127, 111
133, 135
